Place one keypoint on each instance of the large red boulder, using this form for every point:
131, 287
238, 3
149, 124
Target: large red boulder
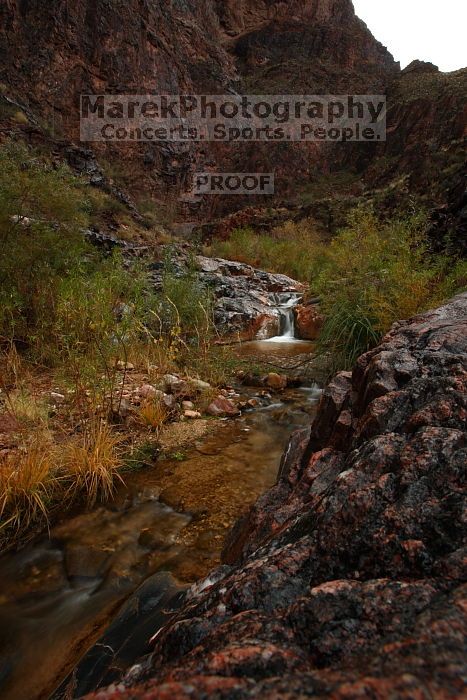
308, 321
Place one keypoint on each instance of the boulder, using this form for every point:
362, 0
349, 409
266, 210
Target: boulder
276, 381
245, 298
308, 321
223, 407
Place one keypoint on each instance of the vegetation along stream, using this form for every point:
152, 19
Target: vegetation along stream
60, 593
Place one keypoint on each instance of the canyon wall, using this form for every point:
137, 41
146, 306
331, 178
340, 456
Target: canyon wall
51, 53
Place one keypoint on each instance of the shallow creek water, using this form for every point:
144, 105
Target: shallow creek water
57, 595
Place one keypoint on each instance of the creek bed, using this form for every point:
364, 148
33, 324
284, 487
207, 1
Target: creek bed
58, 594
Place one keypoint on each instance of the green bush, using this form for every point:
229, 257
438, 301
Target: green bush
59, 297
374, 273
41, 216
292, 249
100, 311
185, 303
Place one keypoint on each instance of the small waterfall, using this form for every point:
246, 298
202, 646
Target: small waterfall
287, 321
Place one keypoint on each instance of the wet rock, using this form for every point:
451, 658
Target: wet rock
127, 638
308, 321
266, 326
348, 578
246, 298
223, 407
276, 381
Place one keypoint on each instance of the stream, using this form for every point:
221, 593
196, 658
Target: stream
59, 594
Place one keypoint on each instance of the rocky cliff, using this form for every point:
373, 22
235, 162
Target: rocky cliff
348, 578
52, 53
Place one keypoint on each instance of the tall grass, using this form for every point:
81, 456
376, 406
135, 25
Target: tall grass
91, 463
153, 414
290, 249
43, 477
27, 485
374, 273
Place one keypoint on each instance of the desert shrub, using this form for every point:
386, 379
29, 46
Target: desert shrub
27, 485
59, 296
90, 464
103, 305
374, 273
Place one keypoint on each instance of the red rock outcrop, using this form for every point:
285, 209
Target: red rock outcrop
348, 578
308, 321
52, 52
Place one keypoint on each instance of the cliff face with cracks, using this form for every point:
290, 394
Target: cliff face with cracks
348, 578
51, 53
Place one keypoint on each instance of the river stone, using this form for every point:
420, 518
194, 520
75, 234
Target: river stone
192, 414
223, 407
148, 391
276, 381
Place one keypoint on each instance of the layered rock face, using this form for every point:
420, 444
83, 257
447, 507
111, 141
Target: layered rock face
237, 17
348, 578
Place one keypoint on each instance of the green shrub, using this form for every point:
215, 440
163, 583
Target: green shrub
41, 216
292, 249
374, 273
185, 303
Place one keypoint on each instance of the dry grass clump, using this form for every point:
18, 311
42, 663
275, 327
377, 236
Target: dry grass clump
153, 414
28, 483
90, 464
44, 477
